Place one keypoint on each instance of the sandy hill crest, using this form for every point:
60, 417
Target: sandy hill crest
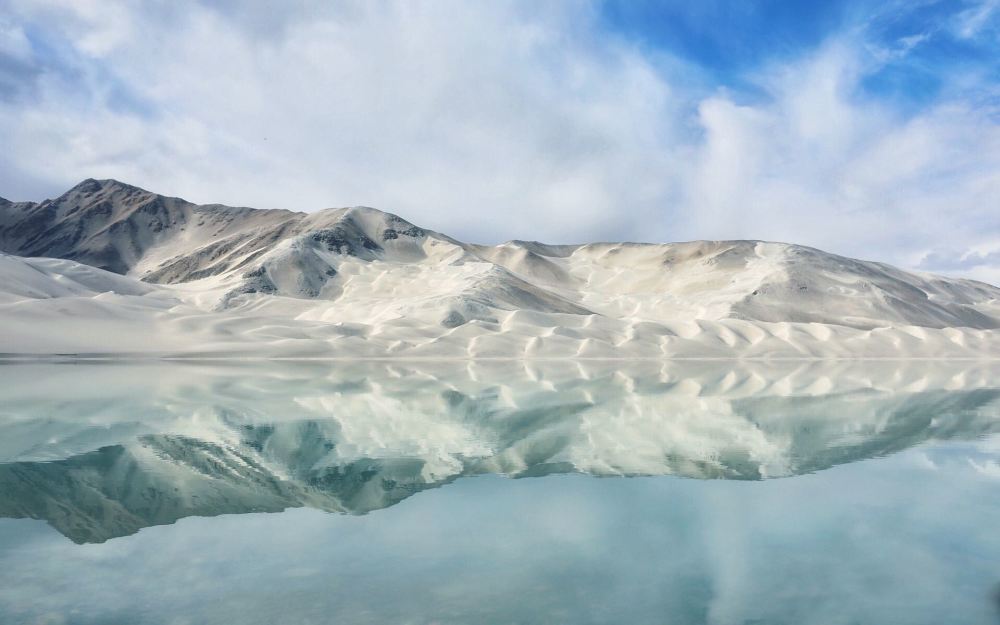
366, 271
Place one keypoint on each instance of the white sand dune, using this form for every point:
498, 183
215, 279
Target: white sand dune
146, 274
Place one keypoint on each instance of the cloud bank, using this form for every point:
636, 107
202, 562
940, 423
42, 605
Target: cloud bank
493, 121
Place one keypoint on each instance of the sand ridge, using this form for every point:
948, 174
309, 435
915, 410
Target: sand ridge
138, 273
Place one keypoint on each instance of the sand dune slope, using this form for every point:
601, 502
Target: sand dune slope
143, 273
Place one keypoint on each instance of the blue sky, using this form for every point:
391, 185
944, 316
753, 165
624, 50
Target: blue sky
922, 41
865, 128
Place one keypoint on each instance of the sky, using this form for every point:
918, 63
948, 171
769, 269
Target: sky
865, 128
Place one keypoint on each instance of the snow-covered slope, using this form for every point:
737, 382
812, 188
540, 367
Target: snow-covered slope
357, 281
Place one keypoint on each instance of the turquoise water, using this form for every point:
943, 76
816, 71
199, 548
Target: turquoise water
499, 493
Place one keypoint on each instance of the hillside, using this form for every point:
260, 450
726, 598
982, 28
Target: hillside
364, 277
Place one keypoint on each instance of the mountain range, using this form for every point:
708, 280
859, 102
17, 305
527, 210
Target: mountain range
111, 269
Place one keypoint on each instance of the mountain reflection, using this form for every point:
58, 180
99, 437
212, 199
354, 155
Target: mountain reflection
103, 450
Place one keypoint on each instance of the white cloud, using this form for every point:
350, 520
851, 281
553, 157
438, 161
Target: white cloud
94, 27
973, 20
987, 468
470, 117
819, 166
13, 42
492, 121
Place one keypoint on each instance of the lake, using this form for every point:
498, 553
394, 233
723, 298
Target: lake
503, 492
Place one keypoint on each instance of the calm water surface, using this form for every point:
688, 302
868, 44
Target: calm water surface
499, 493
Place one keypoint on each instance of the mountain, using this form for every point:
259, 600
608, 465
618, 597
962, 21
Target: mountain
114, 226
376, 284
103, 451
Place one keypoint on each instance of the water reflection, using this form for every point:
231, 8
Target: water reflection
102, 451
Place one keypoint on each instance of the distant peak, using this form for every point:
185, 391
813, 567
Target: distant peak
87, 186
366, 210
91, 185
363, 212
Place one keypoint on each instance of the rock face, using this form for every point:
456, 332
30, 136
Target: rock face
106, 224
367, 270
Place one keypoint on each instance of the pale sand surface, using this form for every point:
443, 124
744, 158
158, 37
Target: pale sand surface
198, 281
52, 306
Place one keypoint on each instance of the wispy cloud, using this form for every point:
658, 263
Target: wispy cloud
820, 164
979, 17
